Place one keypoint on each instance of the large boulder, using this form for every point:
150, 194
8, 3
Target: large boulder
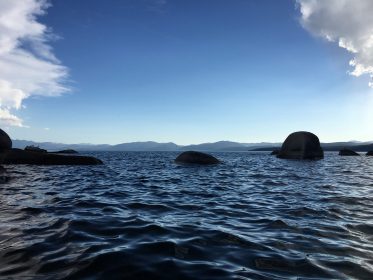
18, 156
192, 157
348, 152
370, 153
301, 145
5, 141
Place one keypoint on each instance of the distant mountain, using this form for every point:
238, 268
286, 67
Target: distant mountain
135, 146
155, 146
143, 146
336, 146
218, 146
225, 146
356, 147
50, 146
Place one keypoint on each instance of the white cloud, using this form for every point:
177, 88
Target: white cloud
6, 118
10, 97
348, 23
28, 66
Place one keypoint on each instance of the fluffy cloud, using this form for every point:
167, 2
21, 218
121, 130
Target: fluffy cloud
348, 23
28, 66
8, 119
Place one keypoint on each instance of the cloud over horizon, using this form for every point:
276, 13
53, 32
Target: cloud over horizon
346, 23
28, 66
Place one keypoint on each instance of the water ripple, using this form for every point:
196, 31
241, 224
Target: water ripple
140, 216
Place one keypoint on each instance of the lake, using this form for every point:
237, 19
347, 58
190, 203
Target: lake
140, 216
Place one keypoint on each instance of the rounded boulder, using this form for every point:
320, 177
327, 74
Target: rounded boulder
192, 157
5, 141
348, 152
301, 145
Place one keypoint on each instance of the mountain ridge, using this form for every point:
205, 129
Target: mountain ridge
170, 146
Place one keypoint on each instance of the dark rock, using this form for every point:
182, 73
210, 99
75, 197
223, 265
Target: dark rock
275, 152
192, 157
301, 145
68, 151
35, 149
348, 152
17, 156
5, 141
370, 153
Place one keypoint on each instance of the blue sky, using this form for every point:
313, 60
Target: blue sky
192, 71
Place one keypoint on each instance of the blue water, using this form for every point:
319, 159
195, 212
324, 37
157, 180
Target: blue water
140, 216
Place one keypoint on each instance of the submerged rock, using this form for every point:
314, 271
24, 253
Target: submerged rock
348, 152
370, 153
301, 145
18, 156
5, 141
192, 157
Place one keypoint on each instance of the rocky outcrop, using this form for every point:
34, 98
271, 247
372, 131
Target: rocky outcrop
18, 156
37, 156
192, 157
370, 153
348, 152
5, 141
301, 145
35, 149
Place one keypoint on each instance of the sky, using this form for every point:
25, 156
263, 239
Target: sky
186, 71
